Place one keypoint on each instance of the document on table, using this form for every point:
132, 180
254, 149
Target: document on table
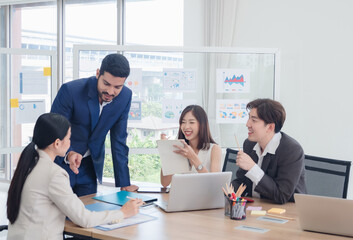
172, 162
138, 218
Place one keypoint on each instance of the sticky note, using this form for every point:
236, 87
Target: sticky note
254, 208
271, 219
47, 71
14, 102
277, 210
252, 229
257, 212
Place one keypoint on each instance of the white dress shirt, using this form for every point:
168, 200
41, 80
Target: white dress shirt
255, 174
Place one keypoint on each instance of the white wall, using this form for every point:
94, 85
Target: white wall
315, 39
194, 19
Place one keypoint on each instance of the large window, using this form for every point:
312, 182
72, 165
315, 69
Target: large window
144, 22
154, 22
89, 22
33, 28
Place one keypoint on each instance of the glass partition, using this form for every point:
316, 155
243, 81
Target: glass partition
164, 80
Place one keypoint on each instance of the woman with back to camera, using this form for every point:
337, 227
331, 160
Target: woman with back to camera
199, 148
40, 195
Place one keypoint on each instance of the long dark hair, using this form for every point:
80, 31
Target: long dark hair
48, 128
205, 137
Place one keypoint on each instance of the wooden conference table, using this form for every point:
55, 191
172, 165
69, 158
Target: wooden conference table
207, 224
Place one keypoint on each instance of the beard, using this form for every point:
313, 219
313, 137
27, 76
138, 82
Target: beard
105, 97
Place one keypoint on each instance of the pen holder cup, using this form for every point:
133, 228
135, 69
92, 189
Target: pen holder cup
237, 210
227, 206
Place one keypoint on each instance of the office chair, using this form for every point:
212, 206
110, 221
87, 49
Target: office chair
327, 177
229, 164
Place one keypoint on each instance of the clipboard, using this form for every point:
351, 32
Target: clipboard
172, 162
120, 198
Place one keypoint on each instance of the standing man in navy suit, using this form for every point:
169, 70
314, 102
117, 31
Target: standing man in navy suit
95, 106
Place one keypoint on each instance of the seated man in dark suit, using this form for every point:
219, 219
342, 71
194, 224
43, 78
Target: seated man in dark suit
271, 164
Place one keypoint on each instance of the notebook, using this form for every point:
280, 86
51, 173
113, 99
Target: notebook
196, 191
120, 198
325, 214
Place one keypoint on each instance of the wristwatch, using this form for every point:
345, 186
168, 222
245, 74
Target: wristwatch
200, 167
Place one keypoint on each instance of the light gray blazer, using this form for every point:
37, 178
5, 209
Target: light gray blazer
47, 199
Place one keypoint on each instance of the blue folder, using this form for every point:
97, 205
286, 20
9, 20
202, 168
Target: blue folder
120, 198
100, 206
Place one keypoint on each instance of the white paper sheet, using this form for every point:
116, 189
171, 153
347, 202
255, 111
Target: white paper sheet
231, 111
139, 218
171, 162
233, 80
179, 79
134, 81
172, 109
28, 111
34, 82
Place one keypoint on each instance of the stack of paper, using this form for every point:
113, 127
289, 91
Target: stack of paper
138, 218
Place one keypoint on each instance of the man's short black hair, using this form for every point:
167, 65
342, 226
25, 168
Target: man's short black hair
270, 111
115, 64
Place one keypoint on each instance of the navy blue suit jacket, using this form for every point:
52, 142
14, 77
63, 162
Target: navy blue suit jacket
78, 102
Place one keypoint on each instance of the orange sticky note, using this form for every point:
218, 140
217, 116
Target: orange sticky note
277, 210
47, 71
14, 102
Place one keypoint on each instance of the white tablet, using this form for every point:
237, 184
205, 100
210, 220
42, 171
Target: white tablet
172, 162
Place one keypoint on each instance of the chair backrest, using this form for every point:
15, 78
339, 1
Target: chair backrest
327, 177
3, 227
229, 164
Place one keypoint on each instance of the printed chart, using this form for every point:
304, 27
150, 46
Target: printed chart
232, 111
233, 80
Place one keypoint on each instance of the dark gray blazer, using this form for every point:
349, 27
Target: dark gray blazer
284, 171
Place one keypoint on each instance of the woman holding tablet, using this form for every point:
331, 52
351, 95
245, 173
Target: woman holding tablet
199, 148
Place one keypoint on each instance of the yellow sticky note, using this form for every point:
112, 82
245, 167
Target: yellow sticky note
277, 210
14, 102
258, 212
47, 71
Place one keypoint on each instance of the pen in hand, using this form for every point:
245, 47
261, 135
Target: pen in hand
134, 199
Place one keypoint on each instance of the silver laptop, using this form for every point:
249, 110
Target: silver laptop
196, 191
325, 214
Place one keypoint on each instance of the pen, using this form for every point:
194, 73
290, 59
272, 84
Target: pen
115, 222
134, 199
236, 140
